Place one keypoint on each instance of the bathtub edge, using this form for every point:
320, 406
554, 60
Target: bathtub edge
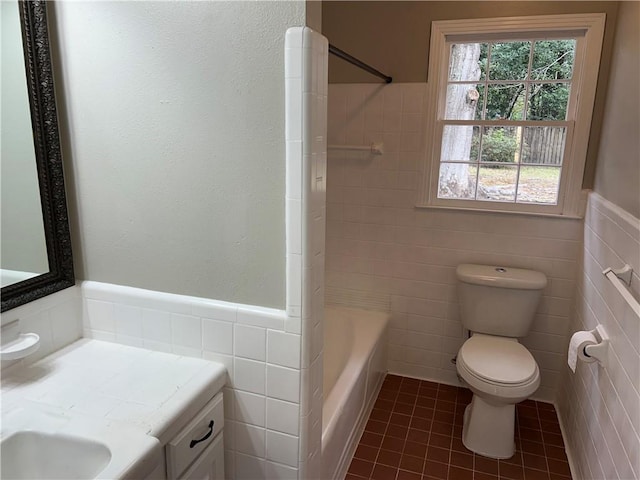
356, 435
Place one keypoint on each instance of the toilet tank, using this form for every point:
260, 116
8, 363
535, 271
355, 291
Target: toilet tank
498, 300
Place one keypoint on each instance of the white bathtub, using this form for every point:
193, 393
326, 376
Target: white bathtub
355, 363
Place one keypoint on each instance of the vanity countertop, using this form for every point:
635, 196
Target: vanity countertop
119, 384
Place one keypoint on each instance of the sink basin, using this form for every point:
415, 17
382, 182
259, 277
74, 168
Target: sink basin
41, 442
29, 455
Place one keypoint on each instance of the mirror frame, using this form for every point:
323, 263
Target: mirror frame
46, 137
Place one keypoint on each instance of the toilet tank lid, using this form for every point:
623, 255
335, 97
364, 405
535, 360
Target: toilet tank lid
503, 277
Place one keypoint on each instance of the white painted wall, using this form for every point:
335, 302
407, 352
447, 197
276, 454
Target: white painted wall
23, 243
384, 254
175, 117
273, 397
618, 169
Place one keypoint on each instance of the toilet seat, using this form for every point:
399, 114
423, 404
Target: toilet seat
498, 360
498, 366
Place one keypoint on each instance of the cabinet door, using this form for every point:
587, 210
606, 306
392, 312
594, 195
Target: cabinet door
203, 429
158, 473
209, 465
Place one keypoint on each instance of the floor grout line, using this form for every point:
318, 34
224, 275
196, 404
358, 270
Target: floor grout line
450, 403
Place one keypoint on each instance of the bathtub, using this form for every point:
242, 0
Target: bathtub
355, 363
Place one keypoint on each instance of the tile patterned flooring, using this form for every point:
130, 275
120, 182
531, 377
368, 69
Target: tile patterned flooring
415, 433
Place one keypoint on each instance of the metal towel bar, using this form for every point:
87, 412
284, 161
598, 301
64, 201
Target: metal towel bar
374, 148
621, 278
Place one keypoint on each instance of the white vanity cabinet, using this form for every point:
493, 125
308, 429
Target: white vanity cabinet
121, 387
197, 451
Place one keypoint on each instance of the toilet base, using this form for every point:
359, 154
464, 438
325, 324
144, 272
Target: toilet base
488, 429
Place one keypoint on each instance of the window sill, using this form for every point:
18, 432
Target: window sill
504, 212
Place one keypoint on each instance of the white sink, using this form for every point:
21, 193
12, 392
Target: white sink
29, 455
40, 442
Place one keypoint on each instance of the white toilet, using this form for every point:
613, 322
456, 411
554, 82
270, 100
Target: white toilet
497, 305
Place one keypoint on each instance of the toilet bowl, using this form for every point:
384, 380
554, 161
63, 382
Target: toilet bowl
497, 305
500, 372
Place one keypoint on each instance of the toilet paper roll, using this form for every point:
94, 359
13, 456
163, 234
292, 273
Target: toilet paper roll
579, 340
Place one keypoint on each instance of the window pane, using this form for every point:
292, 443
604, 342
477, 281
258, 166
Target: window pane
505, 102
500, 144
466, 62
463, 101
509, 60
497, 183
457, 180
460, 143
538, 185
548, 101
553, 59
543, 145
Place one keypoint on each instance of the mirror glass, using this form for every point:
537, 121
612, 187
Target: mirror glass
23, 252
35, 255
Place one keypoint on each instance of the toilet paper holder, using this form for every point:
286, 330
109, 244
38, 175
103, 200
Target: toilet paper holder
598, 351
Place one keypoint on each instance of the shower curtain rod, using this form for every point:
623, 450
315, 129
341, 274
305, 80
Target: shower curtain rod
358, 63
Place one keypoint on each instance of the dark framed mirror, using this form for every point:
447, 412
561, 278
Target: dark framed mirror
56, 272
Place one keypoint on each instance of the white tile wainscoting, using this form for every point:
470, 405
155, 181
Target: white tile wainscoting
56, 318
248, 340
383, 253
599, 408
262, 397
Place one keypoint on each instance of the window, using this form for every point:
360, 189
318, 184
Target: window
510, 111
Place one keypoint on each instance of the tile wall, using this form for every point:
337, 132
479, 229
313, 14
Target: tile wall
262, 358
56, 319
383, 253
306, 58
600, 407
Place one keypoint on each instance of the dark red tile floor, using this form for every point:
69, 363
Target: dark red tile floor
415, 433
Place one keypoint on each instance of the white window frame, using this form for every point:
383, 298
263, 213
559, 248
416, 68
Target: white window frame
589, 28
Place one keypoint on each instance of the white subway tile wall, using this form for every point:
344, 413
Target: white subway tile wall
250, 342
283, 349
385, 254
234, 335
56, 319
306, 59
599, 408
283, 416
